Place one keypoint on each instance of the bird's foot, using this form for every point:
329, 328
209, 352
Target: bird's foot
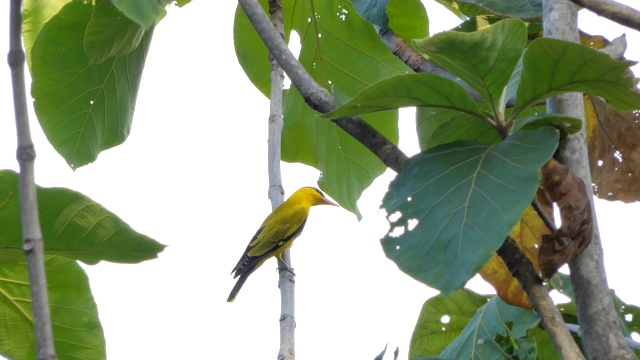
284, 266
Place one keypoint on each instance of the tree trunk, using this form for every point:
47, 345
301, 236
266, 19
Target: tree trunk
601, 333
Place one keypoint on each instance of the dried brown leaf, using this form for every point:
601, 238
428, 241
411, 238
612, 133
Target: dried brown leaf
569, 193
614, 157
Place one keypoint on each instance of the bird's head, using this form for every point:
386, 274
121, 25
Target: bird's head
314, 196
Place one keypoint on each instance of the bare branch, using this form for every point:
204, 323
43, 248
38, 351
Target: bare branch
31, 233
523, 270
603, 339
616, 12
317, 97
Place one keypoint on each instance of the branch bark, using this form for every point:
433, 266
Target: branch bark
522, 269
31, 233
317, 97
286, 281
616, 12
602, 336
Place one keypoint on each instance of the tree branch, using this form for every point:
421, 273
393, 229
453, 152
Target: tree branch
317, 97
31, 233
616, 12
286, 281
523, 270
603, 338
417, 62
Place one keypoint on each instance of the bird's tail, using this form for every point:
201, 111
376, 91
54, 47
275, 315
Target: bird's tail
238, 286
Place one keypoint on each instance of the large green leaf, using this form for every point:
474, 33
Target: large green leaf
144, 12
409, 90
374, 11
552, 66
440, 126
441, 320
343, 52
35, 14
110, 34
72, 225
453, 205
491, 331
336, 152
408, 19
83, 108
484, 59
76, 327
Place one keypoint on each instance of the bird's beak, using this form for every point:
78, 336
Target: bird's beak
328, 202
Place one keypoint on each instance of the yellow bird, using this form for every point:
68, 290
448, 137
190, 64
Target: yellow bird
277, 233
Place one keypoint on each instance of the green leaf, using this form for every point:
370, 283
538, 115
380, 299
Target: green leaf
408, 19
510, 8
566, 125
251, 52
544, 346
409, 90
76, 327
552, 67
331, 149
83, 108
484, 59
374, 11
440, 126
441, 320
144, 12
72, 225
110, 34
336, 59
490, 330
35, 14
453, 205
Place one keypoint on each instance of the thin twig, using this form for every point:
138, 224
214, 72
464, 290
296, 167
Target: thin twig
31, 233
317, 97
523, 270
616, 12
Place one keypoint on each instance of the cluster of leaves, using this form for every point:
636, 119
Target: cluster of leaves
86, 60
455, 202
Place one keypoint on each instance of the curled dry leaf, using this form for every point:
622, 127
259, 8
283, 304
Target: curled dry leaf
527, 234
569, 192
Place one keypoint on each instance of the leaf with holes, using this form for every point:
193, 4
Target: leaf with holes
83, 108
453, 205
72, 225
441, 320
336, 60
77, 333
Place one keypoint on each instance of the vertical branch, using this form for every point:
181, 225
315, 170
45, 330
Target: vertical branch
286, 281
601, 333
31, 233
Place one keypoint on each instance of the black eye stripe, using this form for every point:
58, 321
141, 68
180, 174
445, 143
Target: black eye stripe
319, 192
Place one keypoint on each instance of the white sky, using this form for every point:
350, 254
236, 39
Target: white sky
198, 146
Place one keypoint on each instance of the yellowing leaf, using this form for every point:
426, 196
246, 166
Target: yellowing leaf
527, 234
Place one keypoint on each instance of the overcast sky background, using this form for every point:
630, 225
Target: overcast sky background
193, 175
